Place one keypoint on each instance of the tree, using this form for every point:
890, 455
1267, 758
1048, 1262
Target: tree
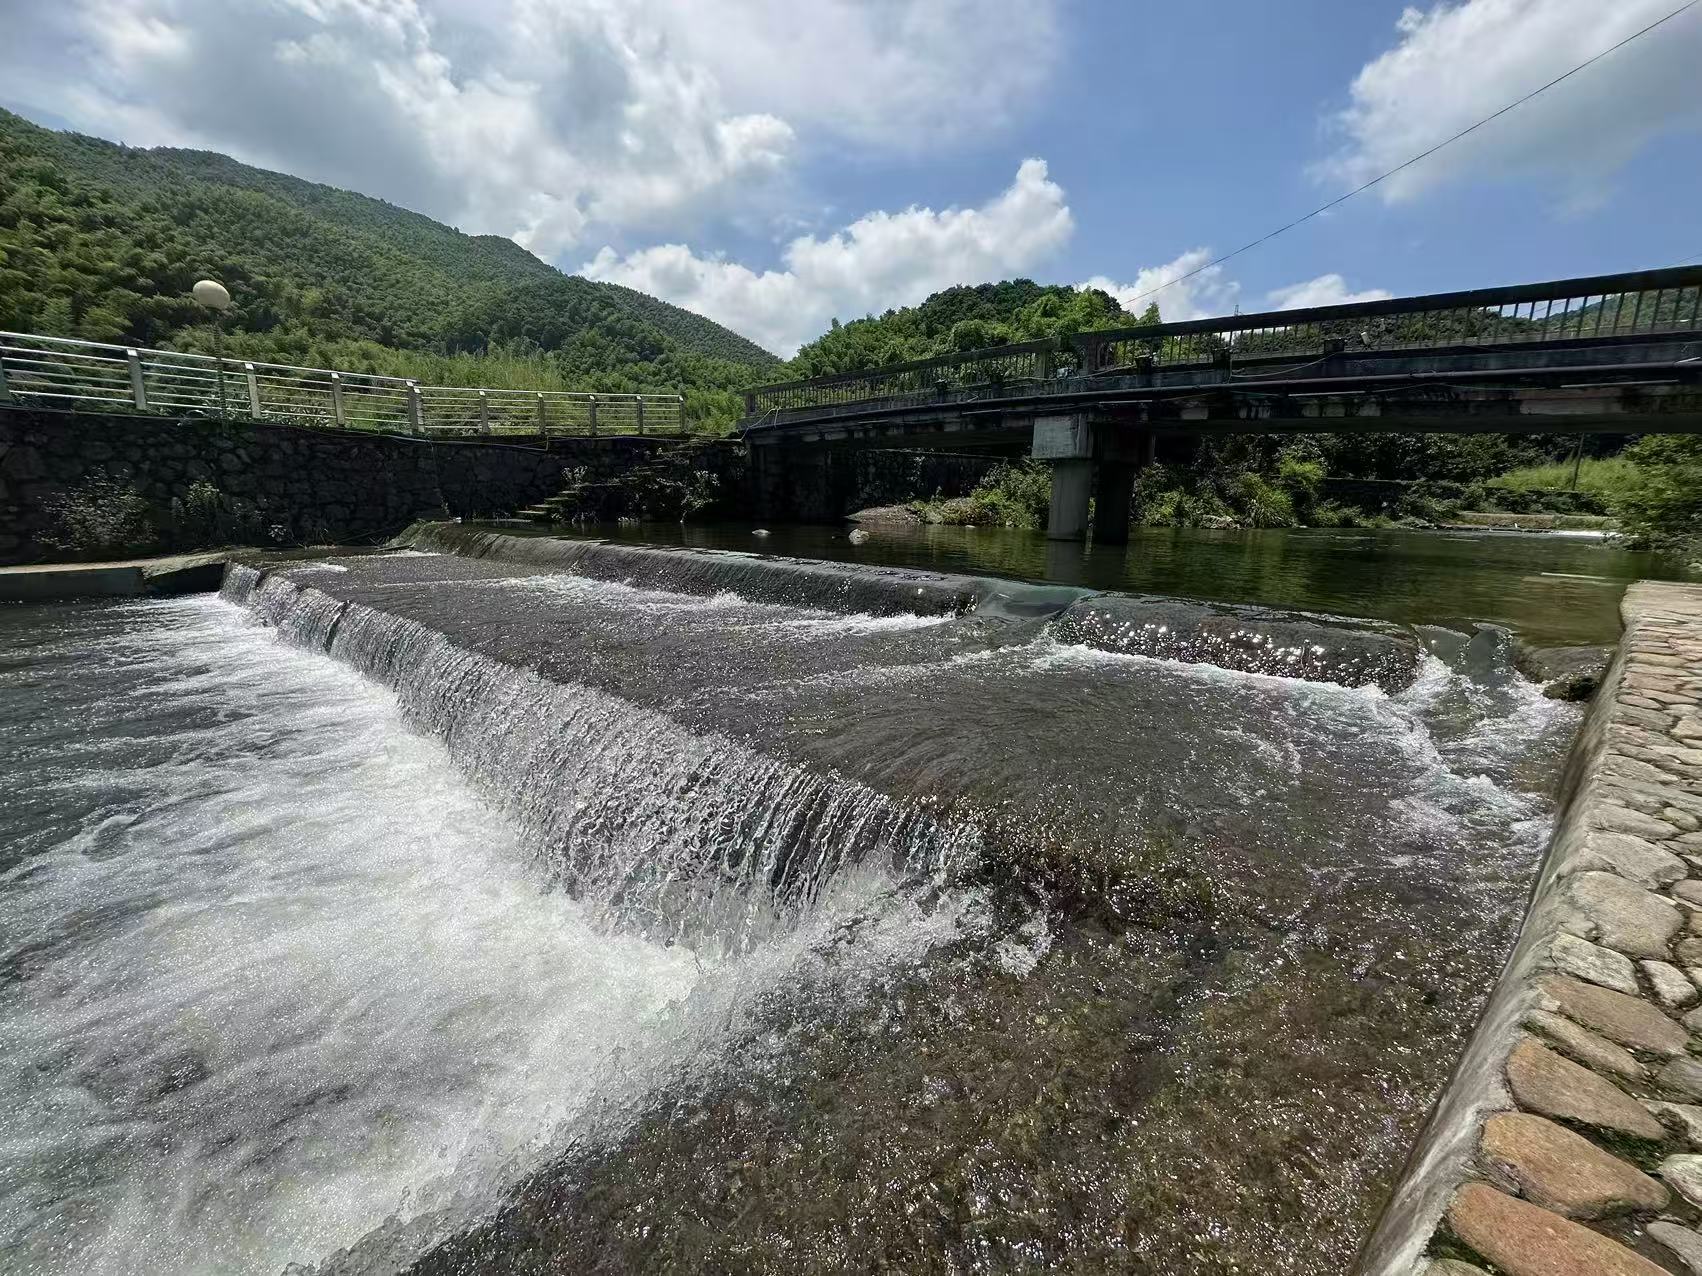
1662, 504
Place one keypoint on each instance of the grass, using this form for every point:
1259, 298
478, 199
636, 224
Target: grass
1601, 475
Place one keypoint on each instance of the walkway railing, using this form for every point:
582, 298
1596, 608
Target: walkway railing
1595, 309
61, 371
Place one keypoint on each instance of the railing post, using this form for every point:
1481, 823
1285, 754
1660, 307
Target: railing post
543, 415
484, 413
750, 403
337, 399
640, 401
5, 390
416, 416
138, 389
253, 391
593, 415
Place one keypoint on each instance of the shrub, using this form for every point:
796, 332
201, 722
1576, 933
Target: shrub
1428, 501
1335, 514
198, 517
1014, 494
1660, 502
1261, 504
1302, 479
1599, 475
103, 515
1179, 507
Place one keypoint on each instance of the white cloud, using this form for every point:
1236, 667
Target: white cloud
1212, 293
881, 260
1325, 290
1456, 63
1207, 293
547, 120
899, 74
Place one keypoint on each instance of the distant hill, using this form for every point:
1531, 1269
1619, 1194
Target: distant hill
103, 241
961, 318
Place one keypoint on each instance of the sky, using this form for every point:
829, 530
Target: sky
775, 164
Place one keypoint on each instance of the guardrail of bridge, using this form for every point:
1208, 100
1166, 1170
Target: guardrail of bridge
1593, 309
66, 372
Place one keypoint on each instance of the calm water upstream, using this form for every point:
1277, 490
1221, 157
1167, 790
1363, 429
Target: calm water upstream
414, 911
1555, 589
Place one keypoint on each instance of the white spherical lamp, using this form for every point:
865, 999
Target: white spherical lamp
211, 294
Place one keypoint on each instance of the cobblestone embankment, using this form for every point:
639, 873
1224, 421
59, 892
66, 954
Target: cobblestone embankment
1569, 1140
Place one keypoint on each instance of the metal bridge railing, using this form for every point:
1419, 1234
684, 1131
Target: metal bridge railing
62, 371
1594, 309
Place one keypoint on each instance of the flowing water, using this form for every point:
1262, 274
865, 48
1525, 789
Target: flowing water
610, 914
1554, 588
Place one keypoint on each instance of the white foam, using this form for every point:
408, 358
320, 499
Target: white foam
732, 611
285, 975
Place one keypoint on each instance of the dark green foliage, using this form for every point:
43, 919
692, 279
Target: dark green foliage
1662, 504
102, 517
961, 319
103, 242
1016, 494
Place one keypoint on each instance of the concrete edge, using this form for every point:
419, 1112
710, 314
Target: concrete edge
59, 582
1608, 911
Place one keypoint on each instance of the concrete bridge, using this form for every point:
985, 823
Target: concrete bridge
1605, 354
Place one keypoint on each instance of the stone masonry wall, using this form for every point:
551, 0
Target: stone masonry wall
1569, 1140
284, 484
824, 484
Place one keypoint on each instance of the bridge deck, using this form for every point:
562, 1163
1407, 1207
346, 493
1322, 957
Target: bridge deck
1616, 353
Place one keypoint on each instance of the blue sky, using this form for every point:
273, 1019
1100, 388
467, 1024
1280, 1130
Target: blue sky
776, 163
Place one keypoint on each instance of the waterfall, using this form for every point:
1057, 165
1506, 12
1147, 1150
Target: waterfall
677, 835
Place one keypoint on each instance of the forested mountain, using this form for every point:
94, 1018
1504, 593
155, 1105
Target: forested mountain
962, 319
103, 242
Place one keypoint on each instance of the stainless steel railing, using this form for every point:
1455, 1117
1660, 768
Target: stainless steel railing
63, 371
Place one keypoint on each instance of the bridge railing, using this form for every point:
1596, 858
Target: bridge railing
1593, 309
64, 372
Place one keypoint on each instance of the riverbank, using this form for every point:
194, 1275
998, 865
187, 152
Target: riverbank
1568, 1137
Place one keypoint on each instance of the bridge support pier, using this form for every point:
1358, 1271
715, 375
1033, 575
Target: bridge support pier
1113, 498
1067, 443
1088, 461
1072, 487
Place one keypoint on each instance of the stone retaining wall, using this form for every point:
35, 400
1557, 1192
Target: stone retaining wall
816, 484
282, 484
1568, 1142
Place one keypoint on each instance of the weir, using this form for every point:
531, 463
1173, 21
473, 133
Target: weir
762, 757
876, 848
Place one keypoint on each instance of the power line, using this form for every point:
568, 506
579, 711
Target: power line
1342, 199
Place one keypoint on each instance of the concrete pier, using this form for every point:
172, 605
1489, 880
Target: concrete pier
1089, 460
1067, 444
1113, 501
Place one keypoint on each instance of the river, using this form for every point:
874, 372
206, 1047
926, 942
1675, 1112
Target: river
1552, 588
411, 910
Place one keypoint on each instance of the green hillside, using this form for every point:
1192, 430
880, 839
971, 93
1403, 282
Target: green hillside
961, 318
103, 242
